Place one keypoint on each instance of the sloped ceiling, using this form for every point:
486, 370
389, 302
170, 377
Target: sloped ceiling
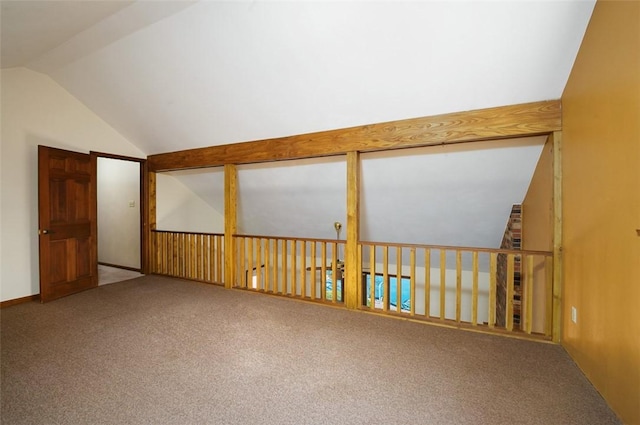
176, 75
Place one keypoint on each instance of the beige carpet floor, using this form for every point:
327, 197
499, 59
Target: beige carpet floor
157, 350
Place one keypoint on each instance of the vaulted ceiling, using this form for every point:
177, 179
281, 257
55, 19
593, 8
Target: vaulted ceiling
174, 75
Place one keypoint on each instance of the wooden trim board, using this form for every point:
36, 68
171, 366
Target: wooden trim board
21, 300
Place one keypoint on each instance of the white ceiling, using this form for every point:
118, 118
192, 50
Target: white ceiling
172, 75
32, 28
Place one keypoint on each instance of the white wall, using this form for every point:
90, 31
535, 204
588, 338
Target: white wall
179, 209
119, 212
37, 111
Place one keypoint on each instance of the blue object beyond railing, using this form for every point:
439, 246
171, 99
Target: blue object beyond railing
405, 291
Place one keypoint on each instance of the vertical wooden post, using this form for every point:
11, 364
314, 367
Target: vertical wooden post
148, 263
556, 139
230, 222
351, 278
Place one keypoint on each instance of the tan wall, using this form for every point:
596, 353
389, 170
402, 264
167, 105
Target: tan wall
37, 111
601, 204
537, 229
537, 207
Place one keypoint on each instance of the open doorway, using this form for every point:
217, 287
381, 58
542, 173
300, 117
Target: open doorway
119, 218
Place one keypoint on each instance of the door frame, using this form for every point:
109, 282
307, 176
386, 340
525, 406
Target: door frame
144, 239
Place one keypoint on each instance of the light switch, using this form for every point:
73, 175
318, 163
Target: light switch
132, 204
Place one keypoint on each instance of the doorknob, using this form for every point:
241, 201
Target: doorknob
45, 231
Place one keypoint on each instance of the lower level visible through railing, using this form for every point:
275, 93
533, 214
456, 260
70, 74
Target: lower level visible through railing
196, 256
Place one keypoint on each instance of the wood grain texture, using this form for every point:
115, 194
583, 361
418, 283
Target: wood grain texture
556, 139
521, 120
351, 279
230, 221
443, 282
493, 267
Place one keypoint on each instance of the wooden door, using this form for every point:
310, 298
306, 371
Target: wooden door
68, 261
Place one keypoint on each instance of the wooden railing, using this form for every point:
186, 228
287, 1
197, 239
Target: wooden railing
296, 267
496, 290
195, 256
460, 286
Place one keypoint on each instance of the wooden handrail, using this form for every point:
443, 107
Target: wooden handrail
289, 238
186, 233
457, 248
403, 245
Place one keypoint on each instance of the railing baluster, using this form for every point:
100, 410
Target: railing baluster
199, 257
443, 282
323, 270
294, 274
399, 279
284, 267
474, 289
493, 269
334, 272
246, 270
267, 265
274, 266
303, 269
458, 285
385, 278
412, 277
219, 262
205, 258
172, 237
361, 296
528, 293
314, 292
510, 290
427, 282
182, 255
548, 277
372, 276
259, 283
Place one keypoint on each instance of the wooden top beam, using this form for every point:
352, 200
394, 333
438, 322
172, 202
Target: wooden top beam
527, 119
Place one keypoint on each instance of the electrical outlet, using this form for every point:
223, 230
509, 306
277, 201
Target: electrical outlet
574, 314
132, 204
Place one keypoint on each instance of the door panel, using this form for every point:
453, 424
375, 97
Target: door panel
65, 192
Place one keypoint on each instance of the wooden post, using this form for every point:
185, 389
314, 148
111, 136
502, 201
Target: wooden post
230, 222
351, 278
148, 265
556, 139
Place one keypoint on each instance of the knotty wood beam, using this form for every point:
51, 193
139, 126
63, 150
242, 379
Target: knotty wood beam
149, 205
230, 222
351, 262
527, 119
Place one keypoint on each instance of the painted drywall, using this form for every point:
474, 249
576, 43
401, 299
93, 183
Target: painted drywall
537, 226
601, 206
301, 198
456, 195
236, 71
537, 206
37, 111
180, 209
119, 212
